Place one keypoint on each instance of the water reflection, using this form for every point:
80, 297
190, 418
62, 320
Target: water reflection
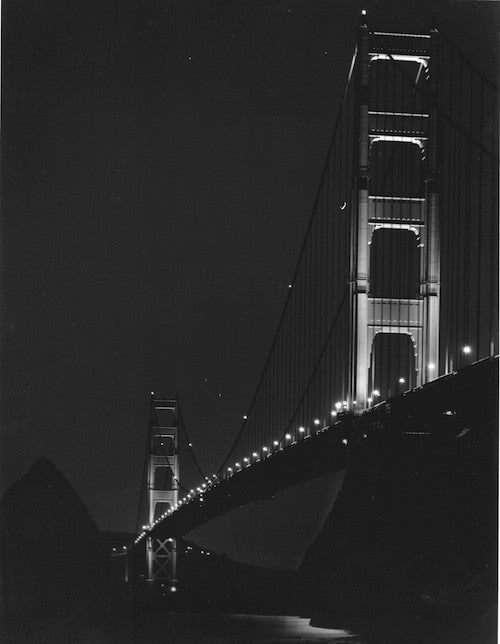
198, 627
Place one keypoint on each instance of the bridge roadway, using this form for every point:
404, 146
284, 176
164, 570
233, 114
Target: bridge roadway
444, 408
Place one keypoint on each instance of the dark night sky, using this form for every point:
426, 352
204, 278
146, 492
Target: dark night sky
159, 163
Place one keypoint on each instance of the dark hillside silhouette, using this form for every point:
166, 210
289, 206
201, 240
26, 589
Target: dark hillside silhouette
53, 560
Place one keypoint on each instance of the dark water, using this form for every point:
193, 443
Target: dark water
203, 628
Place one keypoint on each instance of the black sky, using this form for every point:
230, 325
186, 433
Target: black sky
159, 161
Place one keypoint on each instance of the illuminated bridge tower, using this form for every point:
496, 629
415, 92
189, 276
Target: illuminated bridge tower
162, 486
395, 243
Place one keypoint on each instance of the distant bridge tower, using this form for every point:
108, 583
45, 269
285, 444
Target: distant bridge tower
395, 238
162, 482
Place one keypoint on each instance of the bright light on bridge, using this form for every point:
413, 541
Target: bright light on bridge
467, 349
316, 421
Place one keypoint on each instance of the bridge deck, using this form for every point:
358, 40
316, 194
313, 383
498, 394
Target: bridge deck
442, 408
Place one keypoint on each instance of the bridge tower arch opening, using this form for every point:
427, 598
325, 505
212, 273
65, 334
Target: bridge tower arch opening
395, 272
393, 362
395, 261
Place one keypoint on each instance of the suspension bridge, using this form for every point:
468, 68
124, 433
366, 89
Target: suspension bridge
389, 328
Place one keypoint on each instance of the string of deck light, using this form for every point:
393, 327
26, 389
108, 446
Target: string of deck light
340, 406
231, 472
